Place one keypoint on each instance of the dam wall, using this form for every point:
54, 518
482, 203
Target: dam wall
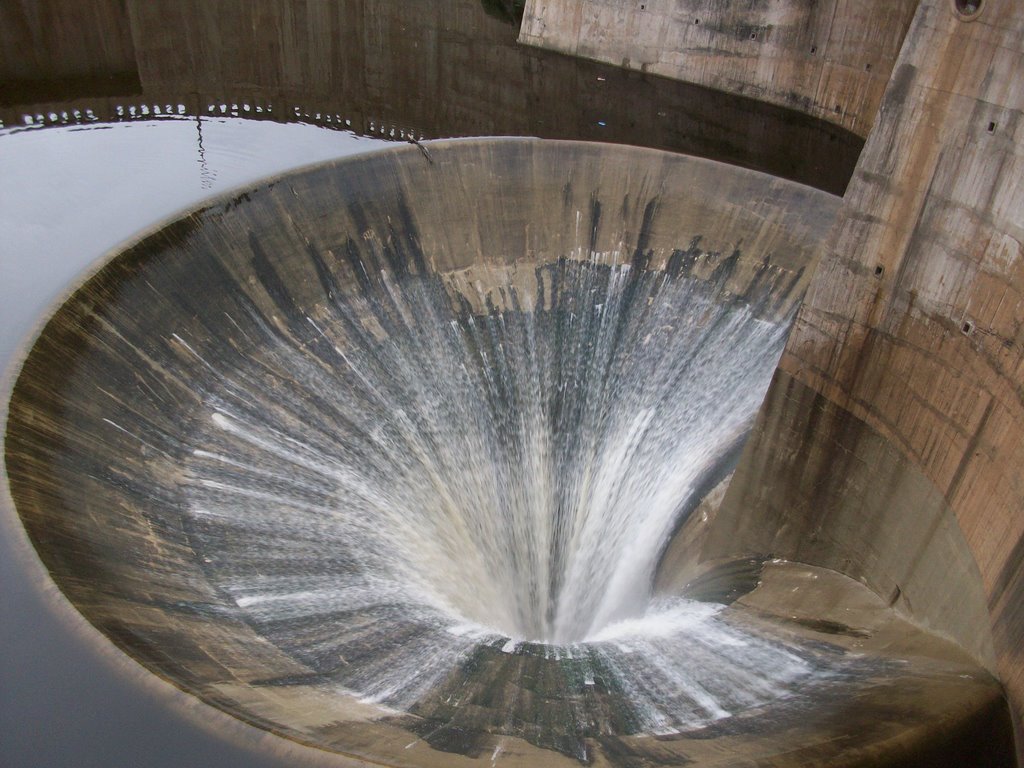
895, 422
828, 59
58, 49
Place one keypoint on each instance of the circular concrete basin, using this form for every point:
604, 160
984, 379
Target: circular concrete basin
384, 456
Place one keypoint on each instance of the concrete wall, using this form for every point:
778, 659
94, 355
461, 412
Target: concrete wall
63, 48
830, 59
898, 407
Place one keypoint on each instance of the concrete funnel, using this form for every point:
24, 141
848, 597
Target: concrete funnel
403, 457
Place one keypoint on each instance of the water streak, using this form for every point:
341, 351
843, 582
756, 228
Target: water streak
414, 475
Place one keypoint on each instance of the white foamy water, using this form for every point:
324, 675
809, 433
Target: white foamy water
398, 484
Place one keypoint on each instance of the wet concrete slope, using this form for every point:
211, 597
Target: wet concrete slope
275, 452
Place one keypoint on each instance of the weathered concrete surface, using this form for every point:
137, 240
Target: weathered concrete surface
829, 59
54, 49
898, 409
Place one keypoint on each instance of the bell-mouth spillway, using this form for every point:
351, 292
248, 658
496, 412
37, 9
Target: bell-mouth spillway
385, 456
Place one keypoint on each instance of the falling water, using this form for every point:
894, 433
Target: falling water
438, 477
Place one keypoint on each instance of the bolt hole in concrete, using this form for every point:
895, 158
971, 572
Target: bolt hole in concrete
967, 328
991, 127
968, 10
879, 270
